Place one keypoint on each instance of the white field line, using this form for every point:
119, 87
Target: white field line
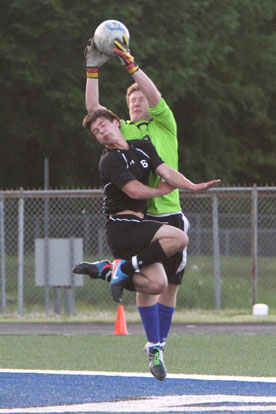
164, 404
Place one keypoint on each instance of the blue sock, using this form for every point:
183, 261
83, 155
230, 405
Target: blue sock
150, 320
165, 314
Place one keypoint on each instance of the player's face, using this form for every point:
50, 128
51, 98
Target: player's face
105, 131
138, 107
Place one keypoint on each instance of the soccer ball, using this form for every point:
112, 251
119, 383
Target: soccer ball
107, 32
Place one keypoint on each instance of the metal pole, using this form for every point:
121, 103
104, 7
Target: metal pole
20, 255
254, 245
46, 173
3, 263
46, 236
216, 251
72, 289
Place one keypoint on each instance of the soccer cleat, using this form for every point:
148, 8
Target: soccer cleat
156, 362
118, 280
96, 270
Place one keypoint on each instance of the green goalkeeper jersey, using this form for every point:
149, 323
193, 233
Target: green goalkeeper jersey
162, 132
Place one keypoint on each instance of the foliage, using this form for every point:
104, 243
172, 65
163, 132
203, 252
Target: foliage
213, 60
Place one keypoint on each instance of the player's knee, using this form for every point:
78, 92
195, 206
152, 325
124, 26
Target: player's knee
182, 241
159, 286
185, 240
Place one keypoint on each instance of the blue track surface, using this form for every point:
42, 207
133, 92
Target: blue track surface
27, 390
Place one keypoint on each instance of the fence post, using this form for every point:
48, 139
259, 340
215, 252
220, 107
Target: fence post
254, 244
20, 254
3, 263
46, 236
216, 250
72, 288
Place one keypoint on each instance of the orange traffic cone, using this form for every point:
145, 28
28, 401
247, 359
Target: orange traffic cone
120, 327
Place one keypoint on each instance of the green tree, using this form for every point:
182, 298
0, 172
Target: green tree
213, 60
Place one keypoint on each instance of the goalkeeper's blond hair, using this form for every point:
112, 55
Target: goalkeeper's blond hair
133, 88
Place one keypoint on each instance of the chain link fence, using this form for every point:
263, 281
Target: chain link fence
231, 252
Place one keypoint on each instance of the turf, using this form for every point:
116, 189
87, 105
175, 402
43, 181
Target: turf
186, 354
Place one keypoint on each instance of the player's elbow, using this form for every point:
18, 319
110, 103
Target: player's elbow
133, 193
92, 107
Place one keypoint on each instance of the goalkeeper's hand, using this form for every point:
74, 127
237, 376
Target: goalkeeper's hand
93, 60
124, 54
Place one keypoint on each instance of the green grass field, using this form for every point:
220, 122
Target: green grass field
221, 354
186, 354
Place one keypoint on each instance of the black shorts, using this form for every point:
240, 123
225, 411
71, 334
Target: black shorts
127, 235
174, 265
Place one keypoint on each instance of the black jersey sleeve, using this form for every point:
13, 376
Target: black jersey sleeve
114, 168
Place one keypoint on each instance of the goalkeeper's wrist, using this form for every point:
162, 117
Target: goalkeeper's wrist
131, 68
92, 73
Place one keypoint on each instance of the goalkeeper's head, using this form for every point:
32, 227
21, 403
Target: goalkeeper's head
137, 104
132, 88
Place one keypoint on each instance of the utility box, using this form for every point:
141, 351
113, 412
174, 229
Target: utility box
54, 260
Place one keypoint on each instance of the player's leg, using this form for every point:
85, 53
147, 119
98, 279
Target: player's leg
166, 241
148, 310
151, 280
147, 303
175, 268
166, 304
126, 235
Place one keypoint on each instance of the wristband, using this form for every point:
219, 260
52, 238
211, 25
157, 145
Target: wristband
131, 68
92, 73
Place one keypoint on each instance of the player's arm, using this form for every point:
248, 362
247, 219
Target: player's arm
113, 168
148, 88
146, 85
92, 95
93, 62
178, 180
135, 189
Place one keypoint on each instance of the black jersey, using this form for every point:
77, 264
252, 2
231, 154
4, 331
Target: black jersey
119, 166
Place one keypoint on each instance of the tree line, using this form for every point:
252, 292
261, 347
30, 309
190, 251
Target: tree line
213, 61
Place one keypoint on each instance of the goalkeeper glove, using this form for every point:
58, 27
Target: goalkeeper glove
124, 54
93, 60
